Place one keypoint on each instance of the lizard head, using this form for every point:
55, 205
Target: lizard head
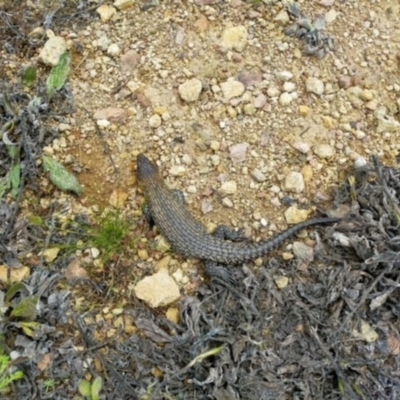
147, 171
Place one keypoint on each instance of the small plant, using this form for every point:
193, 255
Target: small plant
6, 374
108, 236
90, 391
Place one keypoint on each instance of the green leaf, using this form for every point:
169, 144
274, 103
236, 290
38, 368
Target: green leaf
96, 387
25, 309
60, 176
30, 327
13, 290
29, 75
15, 179
84, 388
35, 220
59, 74
4, 186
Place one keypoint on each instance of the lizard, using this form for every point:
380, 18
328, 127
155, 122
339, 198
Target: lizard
190, 238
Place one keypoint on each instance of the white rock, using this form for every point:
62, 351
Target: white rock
282, 17
157, 290
50, 254
285, 99
258, 176
315, 85
190, 90
106, 12
324, 151
289, 87
231, 89
113, 50
177, 170
155, 121
54, 48
229, 187
330, 16
360, 162
284, 75
272, 91
123, 4
294, 182
238, 151
234, 38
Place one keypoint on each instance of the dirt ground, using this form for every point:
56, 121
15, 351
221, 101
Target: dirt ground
248, 126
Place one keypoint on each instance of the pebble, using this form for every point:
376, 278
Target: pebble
360, 162
330, 16
129, 61
234, 38
231, 89
387, 123
281, 281
260, 101
273, 91
227, 188
50, 254
157, 290
284, 75
315, 85
12, 275
293, 215
238, 152
113, 50
143, 254
289, 87
282, 17
155, 121
132, 86
227, 202
123, 4
294, 182
106, 12
53, 49
324, 151
95, 252
190, 90
177, 170
285, 99
215, 145
303, 252
258, 176
366, 95
249, 109
302, 147
206, 206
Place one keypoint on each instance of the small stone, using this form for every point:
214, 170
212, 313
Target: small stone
315, 85
142, 254
302, 147
227, 202
260, 101
173, 315
273, 91
162, 244
106, 12
284, 75
289, 87
113, 50
285, 99
304, 110
344, 81
75, 270
206, 206
227, 188
50, 254
157, 290
324, 151
294, 182
132, 86
53, 49
330, 16
281, 281
328, 121
293, 215
365, 332
258, 176
64, 127
155, 121
360, 162
215, 145
238, 152
234, 38
190, 90
123, 4
163, 263
129, 61
95, 252
303, 252
231, 89
387, 123
282, 17
249, 109
177, 170
366, 95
